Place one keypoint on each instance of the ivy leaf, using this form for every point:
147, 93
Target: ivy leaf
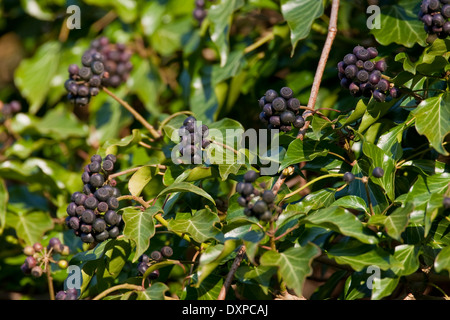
294, 264
209, 262
139, 227
259, 275
140, 178
352, 202
300, 15
299, 151
34, 75
396, 222
432, 120
185, 187
154, 292
400, 25
30, 226
360, 260
200, 226
442, 261
379, 159
342, 221
4, 197
116, 146
220, 16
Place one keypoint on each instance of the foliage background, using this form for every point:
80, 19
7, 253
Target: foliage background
179, 65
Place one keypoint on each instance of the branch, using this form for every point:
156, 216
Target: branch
332, 30
230, 275
136, 114
119, 287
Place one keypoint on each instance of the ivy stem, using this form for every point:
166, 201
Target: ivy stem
331, 175
365, 180
136, 114
332, 31
119, 287
259, 42
227, 283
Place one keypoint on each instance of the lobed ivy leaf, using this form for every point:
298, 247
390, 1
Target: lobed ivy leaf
29, 225
432, 116
139, 227
400, 24
154, 292
294, 264
200, 226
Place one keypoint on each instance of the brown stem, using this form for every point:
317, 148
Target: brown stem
230, 275
138, 117
332, 30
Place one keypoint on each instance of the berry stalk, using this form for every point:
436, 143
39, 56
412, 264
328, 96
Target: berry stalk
138, 117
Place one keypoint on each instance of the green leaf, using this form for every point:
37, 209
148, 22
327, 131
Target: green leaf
200, 226
299, 151
379, 159
438, 52
300, 15
294, 264
341, 220
220, 16
400, 24
121, 146
139, 227
185, 187
442, 261
34, 75
154, 292
209, 262
352, 202
140, 178
126, 9
358, 261
396, 222
30, 226
257, 275
4, 197
432, 120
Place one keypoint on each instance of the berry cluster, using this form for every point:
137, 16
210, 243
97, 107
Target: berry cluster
193, 139
69, 294
38, 257
103, 64
85, 82
435, 14
92, 213
8, 109
116, 60
146, 261
257, 203
281, 111
200, 12
363, 77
